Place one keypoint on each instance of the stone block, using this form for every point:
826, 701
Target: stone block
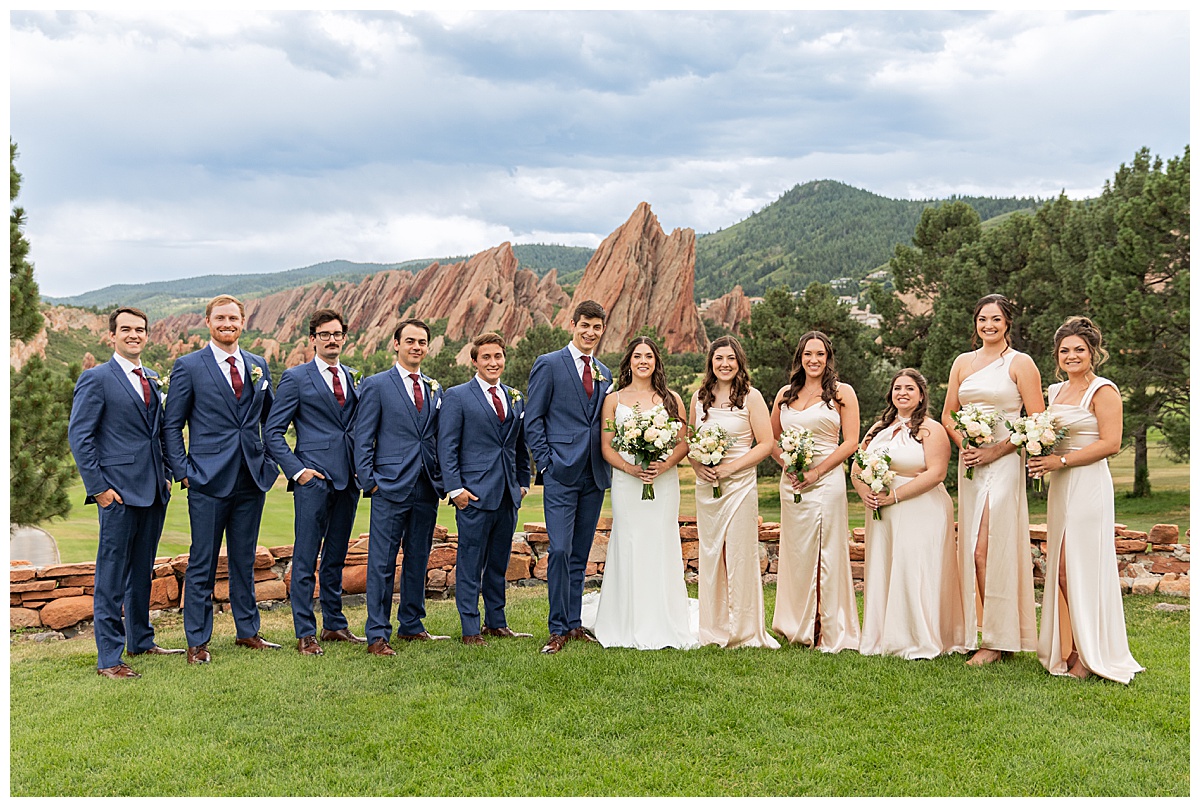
21, 575
221, 590
1126, 584
77, 580
690, 549
765, 534
451, 575
604, 523
535, 527
519, 567
1144, 585
280, 552
768, 525
599, 549
1180, 587
858, 551
66, 612
357, 560
859, 533
1133, 534
521, 547
769, 578
435, 579
354, 580
443, 556
270, 590
261, 575
33, 585
764, 560
592, 569
17, 562
67, 569
1163, 534
539, 568
856, 570
772, 569
179, 563
164, 592
24, 618
263, 559
440, 533
1126, 547
687, 519
14, 599
688, 533
1171, 564
1037, 532
55, 593
694, 564
164, 569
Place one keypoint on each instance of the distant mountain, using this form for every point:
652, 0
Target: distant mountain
163, 298
820, 230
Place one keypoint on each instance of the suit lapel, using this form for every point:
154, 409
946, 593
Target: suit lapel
222, 385
513, 415
598, 371
324, 393
487, 405
577, 382
139, 401
405, 402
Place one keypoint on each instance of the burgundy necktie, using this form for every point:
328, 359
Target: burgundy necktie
145, 385
499, 406
418, 396
235, 378
587, 375
337, 387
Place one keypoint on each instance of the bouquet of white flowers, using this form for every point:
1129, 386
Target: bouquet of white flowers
649, 436
976, 426
707, 446
875, 470
1037, 434
797, 447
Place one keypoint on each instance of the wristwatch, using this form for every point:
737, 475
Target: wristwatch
1063, 459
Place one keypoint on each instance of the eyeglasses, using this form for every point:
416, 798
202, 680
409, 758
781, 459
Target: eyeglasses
325, 336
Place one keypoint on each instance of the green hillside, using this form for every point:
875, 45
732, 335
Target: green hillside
817, 231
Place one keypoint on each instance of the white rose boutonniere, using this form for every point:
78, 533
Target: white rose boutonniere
256, 373
355, 376
434, 386
515, 394
601, 378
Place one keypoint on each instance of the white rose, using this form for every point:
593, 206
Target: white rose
985, 430
973, 428
1047, 437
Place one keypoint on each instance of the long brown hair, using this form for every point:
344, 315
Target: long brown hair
1086, 330
658, 379
890, 414
1007, 310
740, 386
829, 378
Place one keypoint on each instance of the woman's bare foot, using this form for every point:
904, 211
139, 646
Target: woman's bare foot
1078, 670
985, 655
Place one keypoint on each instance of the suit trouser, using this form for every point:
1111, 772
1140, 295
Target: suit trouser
324, 519
484, 547
571, 516
124, 567
406, 525
237, 518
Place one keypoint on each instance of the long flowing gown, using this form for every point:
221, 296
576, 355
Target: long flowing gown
1005, 613
643, 601
731, 595
912, 605
1080, 515
814, 546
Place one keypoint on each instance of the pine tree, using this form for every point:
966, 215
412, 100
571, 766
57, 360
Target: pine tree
25, 318
40, 463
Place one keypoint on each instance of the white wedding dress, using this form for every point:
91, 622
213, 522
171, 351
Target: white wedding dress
643, 601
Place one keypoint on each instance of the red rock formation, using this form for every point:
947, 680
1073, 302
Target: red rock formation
729, 311
644, 277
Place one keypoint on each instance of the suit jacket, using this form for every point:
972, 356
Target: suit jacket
562, 425
223, 432
118, 441
478, 452
394, 446
323, 440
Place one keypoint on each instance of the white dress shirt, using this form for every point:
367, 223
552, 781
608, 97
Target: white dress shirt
327, 377
408, 384
487, 393
131, 376
577, 354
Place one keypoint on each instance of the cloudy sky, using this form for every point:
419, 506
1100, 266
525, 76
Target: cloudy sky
165, 145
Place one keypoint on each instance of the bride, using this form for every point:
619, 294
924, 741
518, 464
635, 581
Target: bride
643, 601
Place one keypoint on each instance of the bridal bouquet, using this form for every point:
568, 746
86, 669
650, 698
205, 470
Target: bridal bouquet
1037, 434
648, 436
797, 446
875, 470
707, 446
975, 425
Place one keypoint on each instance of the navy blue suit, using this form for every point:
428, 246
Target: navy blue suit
118, 443
562, 429
489, 458
395, 449
324, 508
228, 473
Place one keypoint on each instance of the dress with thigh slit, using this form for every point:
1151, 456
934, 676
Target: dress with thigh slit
1005, 611
1079, 534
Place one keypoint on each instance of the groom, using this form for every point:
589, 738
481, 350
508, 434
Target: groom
562, 429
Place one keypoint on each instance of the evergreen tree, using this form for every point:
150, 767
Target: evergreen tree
25, 318
40, 463
537, 340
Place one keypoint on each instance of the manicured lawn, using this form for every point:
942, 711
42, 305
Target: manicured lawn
444, 719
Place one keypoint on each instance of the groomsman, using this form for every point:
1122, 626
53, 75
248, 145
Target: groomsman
319, 398
562, 427
485, 466
116, 435
222, 395
395, 455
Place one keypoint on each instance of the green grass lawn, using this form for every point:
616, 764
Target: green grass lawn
444, 719
76, 534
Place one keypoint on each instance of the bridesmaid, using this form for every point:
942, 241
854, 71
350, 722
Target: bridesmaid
993, 517
731, 597
1083, 623
814, 600
912, 605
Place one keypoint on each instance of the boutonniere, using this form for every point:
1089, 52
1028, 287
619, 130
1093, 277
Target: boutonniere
515, 394
162, 379
434, 386
256, 373
600, 378
355, 376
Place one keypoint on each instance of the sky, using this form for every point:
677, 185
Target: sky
161, 145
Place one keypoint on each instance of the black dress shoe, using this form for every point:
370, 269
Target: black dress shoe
256, 642
343, 635
506, 633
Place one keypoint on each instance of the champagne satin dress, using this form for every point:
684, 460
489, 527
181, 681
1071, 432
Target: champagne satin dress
731, 595
1080, 515
912, 603
814, 546
1005, 611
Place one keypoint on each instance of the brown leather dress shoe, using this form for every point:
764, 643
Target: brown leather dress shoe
158, 651
423, 636
120, 671
557, 642
581, 635
380, 647
474, 639
506, 633
343, 635
256, 642
307, 646
198, 654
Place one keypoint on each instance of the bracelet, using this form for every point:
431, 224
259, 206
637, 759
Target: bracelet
1063, 459
897, 495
